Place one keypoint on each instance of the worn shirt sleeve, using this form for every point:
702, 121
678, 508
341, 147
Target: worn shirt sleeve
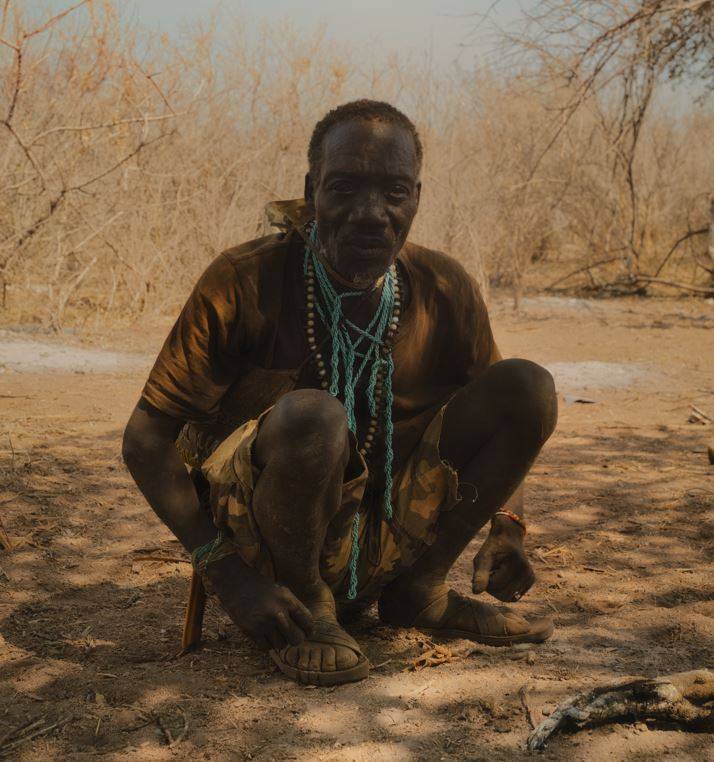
197, 362
475, 344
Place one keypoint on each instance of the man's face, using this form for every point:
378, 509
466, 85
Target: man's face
365, 197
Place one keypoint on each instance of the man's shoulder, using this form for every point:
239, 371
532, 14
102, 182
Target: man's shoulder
234, 269
439, 268
252, 254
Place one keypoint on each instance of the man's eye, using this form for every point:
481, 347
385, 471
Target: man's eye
399, 191
341, 187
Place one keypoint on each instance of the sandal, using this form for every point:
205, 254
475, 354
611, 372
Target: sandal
329, 633
491, 625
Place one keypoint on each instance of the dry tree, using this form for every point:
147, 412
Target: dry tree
76, 109
609, 58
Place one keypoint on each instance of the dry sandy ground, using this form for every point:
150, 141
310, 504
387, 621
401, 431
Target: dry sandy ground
621, 536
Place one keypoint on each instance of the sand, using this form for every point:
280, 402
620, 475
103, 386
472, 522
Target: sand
620, 511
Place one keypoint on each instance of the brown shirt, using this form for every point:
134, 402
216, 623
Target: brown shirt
239, 343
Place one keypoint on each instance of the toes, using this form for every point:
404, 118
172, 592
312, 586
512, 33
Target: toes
328, 659
345, 658
291, 655
304, 656
318, 658
315, 660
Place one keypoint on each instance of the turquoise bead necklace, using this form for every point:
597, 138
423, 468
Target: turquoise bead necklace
356, 352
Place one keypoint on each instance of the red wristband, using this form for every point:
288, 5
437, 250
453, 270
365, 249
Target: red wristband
513, 516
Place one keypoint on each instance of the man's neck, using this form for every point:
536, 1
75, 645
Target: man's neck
344, 284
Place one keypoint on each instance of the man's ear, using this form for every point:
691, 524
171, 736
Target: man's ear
418, 192
309, 193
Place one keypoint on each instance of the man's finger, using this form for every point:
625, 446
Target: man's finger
502, 577
290, 631
277, 641
482, 570
302, 617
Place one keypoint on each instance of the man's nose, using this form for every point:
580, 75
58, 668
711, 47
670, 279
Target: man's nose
369, 209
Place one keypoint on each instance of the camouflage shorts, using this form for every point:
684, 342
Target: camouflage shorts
423, 488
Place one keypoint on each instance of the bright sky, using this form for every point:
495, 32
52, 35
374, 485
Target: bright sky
446, 28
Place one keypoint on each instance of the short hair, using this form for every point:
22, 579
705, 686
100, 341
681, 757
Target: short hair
364, 109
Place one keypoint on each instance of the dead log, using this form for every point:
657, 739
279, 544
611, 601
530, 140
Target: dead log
671, 699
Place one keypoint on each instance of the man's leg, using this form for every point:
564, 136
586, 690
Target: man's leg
302, 450
492, 432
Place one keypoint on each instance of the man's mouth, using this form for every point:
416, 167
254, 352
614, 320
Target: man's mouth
368, 242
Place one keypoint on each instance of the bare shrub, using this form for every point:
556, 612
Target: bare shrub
131, 161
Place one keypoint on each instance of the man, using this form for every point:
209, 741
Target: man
348, 417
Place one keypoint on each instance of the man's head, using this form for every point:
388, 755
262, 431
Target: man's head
363, 182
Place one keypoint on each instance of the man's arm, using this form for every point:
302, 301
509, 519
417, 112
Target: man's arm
154, 463
501, 561
265, 611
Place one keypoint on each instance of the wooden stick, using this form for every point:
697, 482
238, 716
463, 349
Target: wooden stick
664, 699
35, 734
193, 625
523, 695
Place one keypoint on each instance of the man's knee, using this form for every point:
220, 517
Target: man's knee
528, 394
309, 426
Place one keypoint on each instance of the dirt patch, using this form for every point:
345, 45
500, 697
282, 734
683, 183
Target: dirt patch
621, 535
32, 356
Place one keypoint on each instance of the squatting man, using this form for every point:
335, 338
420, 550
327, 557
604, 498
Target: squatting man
330, 423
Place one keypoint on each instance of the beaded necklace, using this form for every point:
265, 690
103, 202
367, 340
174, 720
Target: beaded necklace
350, 359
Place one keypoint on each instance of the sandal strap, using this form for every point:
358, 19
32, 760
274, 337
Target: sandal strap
331, 634
487, 619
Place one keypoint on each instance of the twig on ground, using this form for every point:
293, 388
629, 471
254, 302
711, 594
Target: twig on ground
523, 695
664, 699
5, 542
433, 655
170, 740
10, 499
701, 413
167, 733
184, 730
165, 559
12, 743
24, 728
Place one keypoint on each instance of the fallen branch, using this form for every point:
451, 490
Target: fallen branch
664, 699
22, 735
587, 268
707, 291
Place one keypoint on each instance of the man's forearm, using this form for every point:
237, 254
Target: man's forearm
157, 469
516, 502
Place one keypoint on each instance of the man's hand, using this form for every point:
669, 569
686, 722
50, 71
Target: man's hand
265, 611
501, 566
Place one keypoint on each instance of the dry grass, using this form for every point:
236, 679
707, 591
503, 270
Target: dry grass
130, 161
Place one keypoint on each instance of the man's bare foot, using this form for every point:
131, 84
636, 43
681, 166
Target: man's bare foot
436, 609
330, 656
